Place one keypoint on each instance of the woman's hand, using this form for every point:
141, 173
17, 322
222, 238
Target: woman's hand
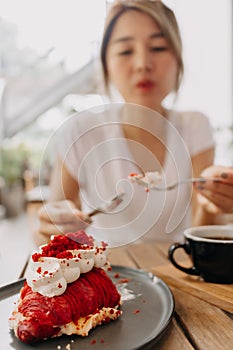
216, 195
58, 218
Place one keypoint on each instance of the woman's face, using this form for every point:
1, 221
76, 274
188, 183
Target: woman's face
139, 60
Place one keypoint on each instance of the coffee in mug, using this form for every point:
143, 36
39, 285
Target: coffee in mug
211, 251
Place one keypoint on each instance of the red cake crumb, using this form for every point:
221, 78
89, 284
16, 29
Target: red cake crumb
136, 311
60, 246
123, 280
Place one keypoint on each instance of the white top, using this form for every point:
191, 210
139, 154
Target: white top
98, 156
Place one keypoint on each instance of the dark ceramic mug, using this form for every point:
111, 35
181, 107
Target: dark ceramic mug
211, 251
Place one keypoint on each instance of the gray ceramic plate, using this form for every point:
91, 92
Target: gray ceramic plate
147, 307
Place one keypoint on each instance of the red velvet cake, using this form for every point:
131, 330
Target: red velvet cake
67, 290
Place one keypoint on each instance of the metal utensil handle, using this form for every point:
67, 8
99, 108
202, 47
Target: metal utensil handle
112, 204
94, 212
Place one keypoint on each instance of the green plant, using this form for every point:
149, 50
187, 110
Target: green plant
11, 163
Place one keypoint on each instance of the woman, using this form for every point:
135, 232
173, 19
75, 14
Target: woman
141, 57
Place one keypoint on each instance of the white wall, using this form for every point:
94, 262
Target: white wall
206, 29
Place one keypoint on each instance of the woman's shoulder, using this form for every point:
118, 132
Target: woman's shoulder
188, 115
82, 122
195, 128
189, 119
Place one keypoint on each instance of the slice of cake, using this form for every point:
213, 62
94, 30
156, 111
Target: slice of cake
67, 290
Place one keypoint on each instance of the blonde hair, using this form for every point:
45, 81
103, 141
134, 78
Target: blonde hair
163, 16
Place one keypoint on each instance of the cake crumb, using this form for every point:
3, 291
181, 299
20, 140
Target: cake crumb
68, 347
136, 311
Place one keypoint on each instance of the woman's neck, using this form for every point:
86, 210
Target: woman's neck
145, 127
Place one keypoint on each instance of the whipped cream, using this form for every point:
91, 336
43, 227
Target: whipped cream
49, 276
46, 277
150, 179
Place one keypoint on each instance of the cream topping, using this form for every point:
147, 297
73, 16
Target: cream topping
49, 276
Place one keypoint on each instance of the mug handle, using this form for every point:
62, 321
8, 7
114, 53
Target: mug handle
190, 270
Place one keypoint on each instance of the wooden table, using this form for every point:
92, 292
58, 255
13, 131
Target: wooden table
203, 318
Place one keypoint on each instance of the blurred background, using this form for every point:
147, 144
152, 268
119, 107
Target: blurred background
49, 68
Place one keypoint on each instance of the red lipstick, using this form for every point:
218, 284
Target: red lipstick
145, 85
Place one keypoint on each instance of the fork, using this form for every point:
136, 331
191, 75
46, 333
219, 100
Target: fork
174, 185
108, 206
